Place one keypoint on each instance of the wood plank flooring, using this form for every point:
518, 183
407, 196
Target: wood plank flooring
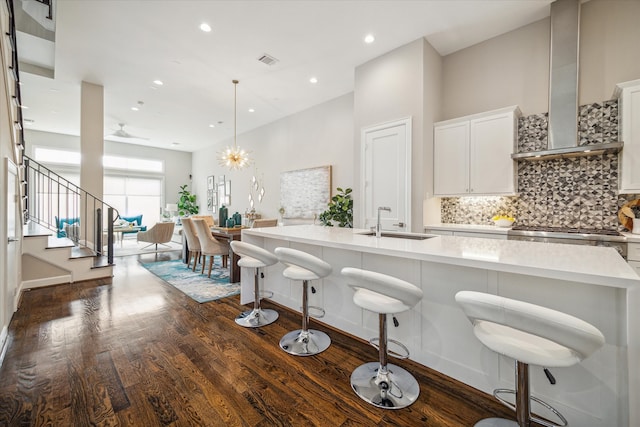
137, 352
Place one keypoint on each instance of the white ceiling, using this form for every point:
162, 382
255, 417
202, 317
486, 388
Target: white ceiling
125, 45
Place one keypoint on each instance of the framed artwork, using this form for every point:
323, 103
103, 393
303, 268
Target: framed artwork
305, 193
214, 201
210, 182
222, 194
210, 205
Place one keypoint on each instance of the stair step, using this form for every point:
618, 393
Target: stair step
81, 252
32, 229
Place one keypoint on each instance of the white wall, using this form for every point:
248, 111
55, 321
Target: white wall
177, 164
513, 68
319, 136
404, 82
7, 150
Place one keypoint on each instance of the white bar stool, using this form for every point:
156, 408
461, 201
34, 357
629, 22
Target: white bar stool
305, 267
383, 384
530, 334
252, 256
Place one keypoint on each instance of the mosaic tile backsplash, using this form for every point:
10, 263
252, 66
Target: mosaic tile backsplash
577, 192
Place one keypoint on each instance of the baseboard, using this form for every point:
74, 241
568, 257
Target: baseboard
46, 281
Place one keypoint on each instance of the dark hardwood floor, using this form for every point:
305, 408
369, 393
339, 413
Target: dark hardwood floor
138, 352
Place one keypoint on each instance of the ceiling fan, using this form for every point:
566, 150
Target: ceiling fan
121, 133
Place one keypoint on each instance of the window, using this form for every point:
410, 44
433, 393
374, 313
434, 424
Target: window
132, 164
132, 185
65, 157
134, 196
55, 156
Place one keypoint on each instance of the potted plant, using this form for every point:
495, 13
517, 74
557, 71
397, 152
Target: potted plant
340, 210
187, 202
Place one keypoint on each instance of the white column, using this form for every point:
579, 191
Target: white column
91, 150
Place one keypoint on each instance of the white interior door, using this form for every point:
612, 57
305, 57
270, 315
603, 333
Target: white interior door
13, 238
386, 175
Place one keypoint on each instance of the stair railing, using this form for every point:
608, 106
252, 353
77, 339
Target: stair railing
59, 205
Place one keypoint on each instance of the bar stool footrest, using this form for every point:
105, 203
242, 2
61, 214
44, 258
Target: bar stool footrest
319, 312
497, 394
266, 294
375, 342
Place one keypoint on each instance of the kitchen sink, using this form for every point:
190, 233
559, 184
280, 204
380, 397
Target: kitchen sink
396, 235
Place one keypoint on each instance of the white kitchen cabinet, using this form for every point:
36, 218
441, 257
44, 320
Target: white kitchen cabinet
629, 130
472, 154
633, 256
451, 158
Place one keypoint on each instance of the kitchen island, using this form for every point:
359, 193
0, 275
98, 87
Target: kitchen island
592, 283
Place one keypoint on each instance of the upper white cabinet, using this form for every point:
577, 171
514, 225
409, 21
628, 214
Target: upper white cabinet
472, 154
629, 106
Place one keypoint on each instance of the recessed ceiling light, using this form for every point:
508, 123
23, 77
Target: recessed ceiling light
158, 82
212, 126
251, 110
369, 38
205, 27
313, 80
135, 108
175, 144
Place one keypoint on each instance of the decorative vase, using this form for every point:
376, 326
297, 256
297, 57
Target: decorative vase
230, 223
222, 216
237, 218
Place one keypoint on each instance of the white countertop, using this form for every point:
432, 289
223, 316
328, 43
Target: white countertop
579, 263
494, 229
631, 238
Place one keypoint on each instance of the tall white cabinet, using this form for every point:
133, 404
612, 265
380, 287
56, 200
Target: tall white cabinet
472, 154
628, 94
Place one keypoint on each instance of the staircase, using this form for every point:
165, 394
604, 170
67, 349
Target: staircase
49, 260
65, 230
49, 255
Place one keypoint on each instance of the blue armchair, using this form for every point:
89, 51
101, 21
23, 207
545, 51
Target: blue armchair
60, 223
136, 221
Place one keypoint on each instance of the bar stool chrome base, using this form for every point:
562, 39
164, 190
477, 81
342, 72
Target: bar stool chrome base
496, 422
395, 389
305, 343
257, 317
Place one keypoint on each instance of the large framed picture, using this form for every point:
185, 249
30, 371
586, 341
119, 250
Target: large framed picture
305, 193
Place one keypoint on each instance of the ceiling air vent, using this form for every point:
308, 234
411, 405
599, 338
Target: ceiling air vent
267, 59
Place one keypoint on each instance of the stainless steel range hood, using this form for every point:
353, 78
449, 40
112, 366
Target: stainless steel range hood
563, 89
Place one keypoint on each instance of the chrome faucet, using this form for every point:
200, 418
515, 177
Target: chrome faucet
378, 228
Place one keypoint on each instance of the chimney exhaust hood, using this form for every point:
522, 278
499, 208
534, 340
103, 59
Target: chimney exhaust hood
563, 89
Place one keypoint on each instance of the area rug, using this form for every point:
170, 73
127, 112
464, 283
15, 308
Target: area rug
197, 286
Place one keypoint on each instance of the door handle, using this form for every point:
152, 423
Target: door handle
11, 239
400, 224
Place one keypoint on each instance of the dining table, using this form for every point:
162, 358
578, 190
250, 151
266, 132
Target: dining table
229, 235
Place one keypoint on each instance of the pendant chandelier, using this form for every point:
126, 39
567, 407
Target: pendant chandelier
233, 157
